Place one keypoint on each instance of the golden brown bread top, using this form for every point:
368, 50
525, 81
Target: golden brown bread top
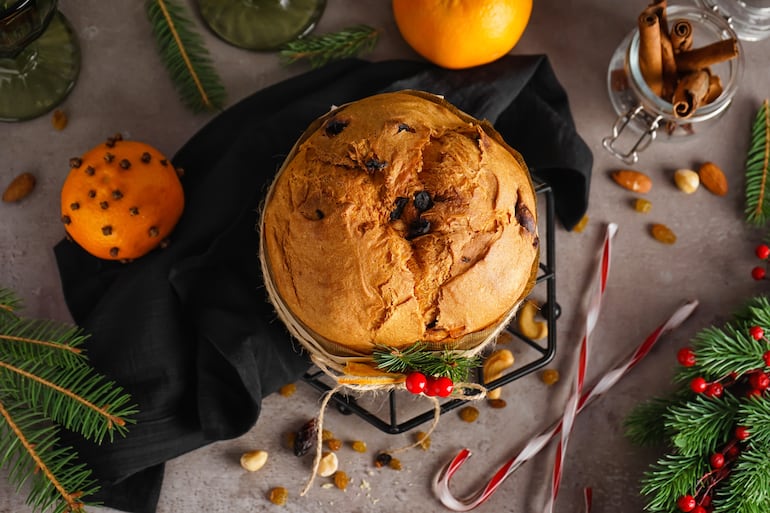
397, 219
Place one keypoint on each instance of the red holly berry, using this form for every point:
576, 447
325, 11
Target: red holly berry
762, 251
443, 386
717, 460
699, 509
759, 380
686, 503
416, 382
732, 452
430, 386
753, 392
741, 432
766, 358
705, 501
758, 273
685, 357
757, 332
698, 385
714, 390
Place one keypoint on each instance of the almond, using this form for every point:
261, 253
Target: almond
19, 188
713, 179
632, 180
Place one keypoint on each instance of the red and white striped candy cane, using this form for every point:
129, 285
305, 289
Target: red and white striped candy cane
577, 402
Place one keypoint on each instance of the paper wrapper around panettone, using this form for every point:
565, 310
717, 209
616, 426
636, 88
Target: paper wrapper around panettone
334, 356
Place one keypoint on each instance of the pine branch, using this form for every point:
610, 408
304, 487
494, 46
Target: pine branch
320, 50
645, 425
9, 303
185, 56
755, 415
748, 488
418, 357
42, 340
757, 169
702, 425
672, 477
29, 449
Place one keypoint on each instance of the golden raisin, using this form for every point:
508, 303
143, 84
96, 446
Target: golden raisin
550, 376
334, 444
395, 464
662, 233
642, 205
359, 446
581, 224
423, 439
469, 414
326, 435
497, 403
278, 495
341, 479
59, 119
288, 390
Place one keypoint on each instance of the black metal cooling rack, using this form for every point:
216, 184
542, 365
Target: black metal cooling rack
389, 421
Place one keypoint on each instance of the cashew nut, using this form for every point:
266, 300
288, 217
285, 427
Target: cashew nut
328, 464
253, 460
494, 366
528, 326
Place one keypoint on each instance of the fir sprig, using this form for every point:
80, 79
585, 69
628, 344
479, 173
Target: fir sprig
46, 383
645, 425
671, 477
757, 169
321, 49
419, 357
702, 425
185, 56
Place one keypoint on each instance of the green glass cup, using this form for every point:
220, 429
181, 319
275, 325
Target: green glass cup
39, 58
260, 24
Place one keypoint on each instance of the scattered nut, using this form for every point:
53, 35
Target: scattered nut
328, 464
642, 205
469, 414
528, 326
713, 179
662, 233
341, 480
359, 446
423, 439
581, 225
288, 390
382, 459
494, 366
253, 460
497, 403
278, 495
334, 444
549, 376
19, 188
632, 180
687, 180
59, 119
395, 464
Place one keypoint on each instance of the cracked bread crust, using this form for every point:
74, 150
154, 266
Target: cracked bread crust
397, 219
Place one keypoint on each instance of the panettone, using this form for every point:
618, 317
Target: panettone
397, 219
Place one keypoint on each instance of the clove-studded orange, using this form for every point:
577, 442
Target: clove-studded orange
121, 199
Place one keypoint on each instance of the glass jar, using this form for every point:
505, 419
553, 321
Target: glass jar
643, 116
749, 18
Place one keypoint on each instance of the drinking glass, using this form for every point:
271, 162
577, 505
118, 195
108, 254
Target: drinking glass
260, 24
39, 58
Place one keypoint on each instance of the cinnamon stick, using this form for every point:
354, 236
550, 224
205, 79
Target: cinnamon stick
650, 57
681, 36
714, 89
705, 56
669, 67
690, 93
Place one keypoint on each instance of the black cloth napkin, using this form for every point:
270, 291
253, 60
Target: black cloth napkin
188, 330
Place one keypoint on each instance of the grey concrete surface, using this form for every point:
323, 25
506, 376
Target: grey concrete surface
124, 88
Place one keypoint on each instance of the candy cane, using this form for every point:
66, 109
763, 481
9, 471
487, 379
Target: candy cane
533, 447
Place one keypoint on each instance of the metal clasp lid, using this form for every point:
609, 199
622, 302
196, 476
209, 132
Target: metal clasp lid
647, 136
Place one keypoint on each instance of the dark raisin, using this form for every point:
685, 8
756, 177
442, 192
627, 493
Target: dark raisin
525, 218
76, 162
116, 194
419, 227
403, 127
422, 201
375, 165
306, 437
335, 126
400, 203
320, 214
383, 459
90, 171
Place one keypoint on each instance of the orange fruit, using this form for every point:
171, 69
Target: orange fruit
462, 33
121, 199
